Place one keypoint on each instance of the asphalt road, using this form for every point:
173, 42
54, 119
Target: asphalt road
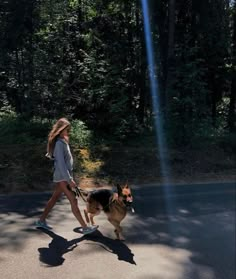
177, 232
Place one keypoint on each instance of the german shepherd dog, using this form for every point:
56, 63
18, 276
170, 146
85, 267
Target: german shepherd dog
114, 205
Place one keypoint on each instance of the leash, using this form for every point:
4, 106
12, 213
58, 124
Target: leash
78, 192
111, 202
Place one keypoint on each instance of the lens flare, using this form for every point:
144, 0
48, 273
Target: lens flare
154, 91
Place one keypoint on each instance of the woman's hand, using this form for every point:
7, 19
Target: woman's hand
72, 184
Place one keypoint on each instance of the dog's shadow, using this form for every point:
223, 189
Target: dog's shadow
113, 246
53, 254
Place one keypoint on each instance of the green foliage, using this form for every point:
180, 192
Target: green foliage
86, 60
15, 130
80, 135
189, 96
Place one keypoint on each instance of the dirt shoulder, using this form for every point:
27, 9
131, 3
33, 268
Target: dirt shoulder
25, 168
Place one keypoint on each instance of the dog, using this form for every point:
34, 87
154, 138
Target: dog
114, 205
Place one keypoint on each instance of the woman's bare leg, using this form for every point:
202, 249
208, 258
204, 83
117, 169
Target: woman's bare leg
73, 202
50, 204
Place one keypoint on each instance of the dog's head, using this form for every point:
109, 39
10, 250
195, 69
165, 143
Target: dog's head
124, 193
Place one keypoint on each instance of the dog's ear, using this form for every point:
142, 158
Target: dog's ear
119, 188
126, 185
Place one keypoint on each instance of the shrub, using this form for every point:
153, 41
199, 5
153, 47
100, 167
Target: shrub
15, 130
80, 135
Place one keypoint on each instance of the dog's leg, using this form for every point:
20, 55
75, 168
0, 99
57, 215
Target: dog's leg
86, 215
91, 216
118, 229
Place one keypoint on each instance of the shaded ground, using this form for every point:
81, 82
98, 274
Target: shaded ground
189, 235
25, 168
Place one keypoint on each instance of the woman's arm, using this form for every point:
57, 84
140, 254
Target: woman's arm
60, 162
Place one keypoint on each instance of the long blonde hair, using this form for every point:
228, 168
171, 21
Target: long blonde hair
57, 128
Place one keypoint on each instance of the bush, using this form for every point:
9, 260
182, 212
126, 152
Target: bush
80, 135
15, 130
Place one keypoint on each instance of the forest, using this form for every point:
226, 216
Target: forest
87, 60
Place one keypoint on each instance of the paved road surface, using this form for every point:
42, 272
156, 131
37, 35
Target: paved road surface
177, 232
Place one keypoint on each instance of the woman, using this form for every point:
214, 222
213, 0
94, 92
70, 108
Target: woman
58, 149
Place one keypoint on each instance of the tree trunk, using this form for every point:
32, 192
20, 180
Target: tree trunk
142, 83
232, 106
141, 68
170, 51
79, 13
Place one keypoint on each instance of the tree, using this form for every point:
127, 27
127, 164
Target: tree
232, 105
86, 59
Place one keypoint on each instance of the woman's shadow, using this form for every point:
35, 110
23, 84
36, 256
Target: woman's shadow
53, 254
